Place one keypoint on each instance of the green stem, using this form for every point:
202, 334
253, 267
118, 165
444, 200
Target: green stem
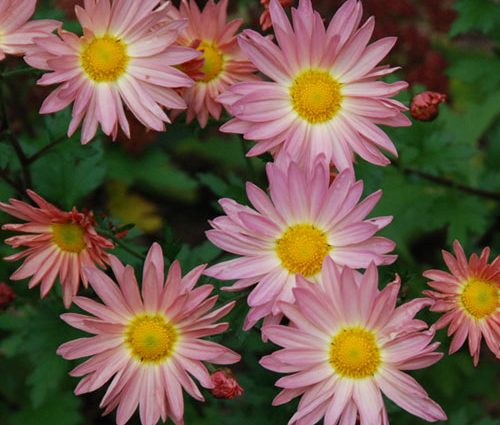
37, 155
448, 182
120, 243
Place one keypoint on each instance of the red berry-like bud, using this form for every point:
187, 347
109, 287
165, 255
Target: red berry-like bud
225, 384
7, 295
424, 106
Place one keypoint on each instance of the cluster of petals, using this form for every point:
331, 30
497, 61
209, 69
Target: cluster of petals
469, 297
123, 58
323, 96
380, 341
302, 205
155, 388
16, 32
222, 62
58, 244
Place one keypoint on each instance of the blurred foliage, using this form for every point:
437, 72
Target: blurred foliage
167, 185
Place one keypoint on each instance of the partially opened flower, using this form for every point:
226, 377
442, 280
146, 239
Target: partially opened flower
323, 96
470, 298
348, 343
223, 64
16, 32
59, 244
291, 231
148, 343
119, 60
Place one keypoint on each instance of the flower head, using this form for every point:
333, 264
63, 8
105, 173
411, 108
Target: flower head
323, 96
470, 298
291, 231
119, 59
59, 244
147, 343
425, 105
223, 63
16, 33
347, 343
225, 384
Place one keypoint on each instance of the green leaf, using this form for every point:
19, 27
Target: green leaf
70, 172
480, 15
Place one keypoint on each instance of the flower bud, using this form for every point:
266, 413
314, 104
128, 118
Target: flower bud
424, 106
225, 384
7, 295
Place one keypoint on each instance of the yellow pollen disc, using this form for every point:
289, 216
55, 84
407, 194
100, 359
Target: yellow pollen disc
316, 96
104, 59
354, 353
213, 61
69, 237
302, 249
151, 338
480, 298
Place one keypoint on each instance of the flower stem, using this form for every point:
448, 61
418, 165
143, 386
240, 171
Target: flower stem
120, 243
448, 182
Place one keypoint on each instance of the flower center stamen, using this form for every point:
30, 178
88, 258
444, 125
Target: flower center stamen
69, 237
302, 249
213, 61
104, 59
354, 353
151, 338
480, 298
316, 96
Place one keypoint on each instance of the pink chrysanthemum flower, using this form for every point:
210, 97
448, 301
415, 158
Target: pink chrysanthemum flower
304, 220
59, 244
347, 343
16, 33
149, 343
223, 62
470, 297
118, 60
323, 97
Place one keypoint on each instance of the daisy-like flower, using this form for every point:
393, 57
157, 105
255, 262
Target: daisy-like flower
347, 343
149, 343
323, 97
470, 298
304, 220
16, 33
119, 59
59, 244
223, 64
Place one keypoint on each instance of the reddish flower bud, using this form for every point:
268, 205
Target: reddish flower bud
225, 384
7, 295
424, 106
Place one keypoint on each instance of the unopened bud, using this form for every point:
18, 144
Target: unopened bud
225, 384
424, 106
7, 295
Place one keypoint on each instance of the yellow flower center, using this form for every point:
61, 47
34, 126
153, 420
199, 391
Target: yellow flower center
480, 298
302, 249
354, 353
316, 96
151, 338
69, 237
213, 61
104, 59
